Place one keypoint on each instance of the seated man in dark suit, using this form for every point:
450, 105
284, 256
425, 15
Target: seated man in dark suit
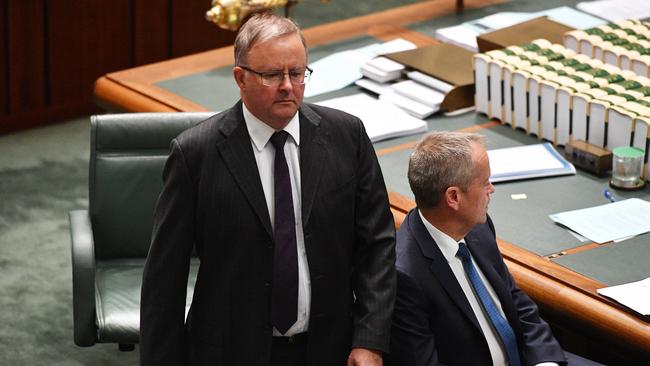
457, 304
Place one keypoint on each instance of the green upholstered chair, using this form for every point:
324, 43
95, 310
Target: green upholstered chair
110, 241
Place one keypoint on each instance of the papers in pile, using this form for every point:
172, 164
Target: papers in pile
381, 120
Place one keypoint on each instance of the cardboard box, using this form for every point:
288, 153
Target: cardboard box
522, 33
449, 63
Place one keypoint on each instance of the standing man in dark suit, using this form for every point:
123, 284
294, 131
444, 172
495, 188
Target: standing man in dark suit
285, 205
457, 304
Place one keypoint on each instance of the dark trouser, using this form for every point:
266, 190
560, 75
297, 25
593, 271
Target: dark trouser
289, 351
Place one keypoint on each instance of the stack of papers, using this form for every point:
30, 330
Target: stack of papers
381, 120
382, 70
419, 93
410, 106
341, 69
374, 86
416, 99
634, 295
420, 97
430, 81
610, 222
524, 162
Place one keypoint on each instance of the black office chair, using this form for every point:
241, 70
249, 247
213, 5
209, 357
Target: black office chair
110, 241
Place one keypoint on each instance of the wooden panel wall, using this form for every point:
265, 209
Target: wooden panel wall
4, 88
190, 31
51, 52
26, 61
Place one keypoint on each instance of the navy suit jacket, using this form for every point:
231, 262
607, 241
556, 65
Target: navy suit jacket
212, 203
433, 323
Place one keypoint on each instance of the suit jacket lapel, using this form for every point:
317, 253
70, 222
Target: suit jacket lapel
312, 152
502, 292
439, 266
237, 152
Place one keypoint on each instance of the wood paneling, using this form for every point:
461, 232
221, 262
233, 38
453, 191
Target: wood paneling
152, 31
86, 38
4, 87
51, 52
26, 55
190, 32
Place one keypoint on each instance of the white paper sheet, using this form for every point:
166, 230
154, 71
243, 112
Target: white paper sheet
382, 120
529, 161
608, 222
614, 10
634, 295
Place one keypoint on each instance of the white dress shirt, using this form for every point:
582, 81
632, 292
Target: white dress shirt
264, 152
449, 248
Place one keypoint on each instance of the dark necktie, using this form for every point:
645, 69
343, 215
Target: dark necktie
505, 332
284, 306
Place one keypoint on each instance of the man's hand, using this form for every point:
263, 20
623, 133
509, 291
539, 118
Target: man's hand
364, 357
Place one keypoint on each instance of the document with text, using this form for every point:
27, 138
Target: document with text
608, 222
528, 161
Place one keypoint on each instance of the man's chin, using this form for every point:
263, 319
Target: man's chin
287, 110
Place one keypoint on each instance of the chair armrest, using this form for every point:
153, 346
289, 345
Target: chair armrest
83, 278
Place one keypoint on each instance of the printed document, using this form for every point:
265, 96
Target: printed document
608, 222
528, 161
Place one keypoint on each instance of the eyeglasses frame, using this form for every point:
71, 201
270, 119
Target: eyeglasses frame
261, 75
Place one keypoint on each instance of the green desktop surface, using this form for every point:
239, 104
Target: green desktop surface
614, 263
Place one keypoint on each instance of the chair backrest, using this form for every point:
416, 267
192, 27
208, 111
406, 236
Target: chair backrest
127, 155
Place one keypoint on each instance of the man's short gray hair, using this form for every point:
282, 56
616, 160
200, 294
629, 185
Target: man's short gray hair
441, 160
260, 28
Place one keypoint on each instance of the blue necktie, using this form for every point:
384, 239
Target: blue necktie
284, 301
505, 332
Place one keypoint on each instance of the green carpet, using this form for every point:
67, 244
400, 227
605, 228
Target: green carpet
43, 175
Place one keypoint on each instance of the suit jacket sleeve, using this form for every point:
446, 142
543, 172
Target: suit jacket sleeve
412, 342
164, 284
373, 279
539, 344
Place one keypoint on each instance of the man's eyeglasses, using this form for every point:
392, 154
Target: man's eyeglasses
275, 78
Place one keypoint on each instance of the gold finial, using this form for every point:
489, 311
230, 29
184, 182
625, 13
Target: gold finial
230, 14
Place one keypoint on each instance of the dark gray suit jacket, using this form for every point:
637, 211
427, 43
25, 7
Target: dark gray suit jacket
212, 202
433, 323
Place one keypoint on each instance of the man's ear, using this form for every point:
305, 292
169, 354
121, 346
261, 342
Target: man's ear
452, 197
239, 74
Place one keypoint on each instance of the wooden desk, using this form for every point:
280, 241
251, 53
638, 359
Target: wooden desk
558, 290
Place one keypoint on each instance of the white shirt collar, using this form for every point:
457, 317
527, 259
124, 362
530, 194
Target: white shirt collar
261, 133
448, 246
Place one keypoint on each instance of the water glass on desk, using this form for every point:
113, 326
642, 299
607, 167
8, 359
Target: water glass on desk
627, 166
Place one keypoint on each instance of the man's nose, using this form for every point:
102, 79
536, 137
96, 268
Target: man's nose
286, 82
